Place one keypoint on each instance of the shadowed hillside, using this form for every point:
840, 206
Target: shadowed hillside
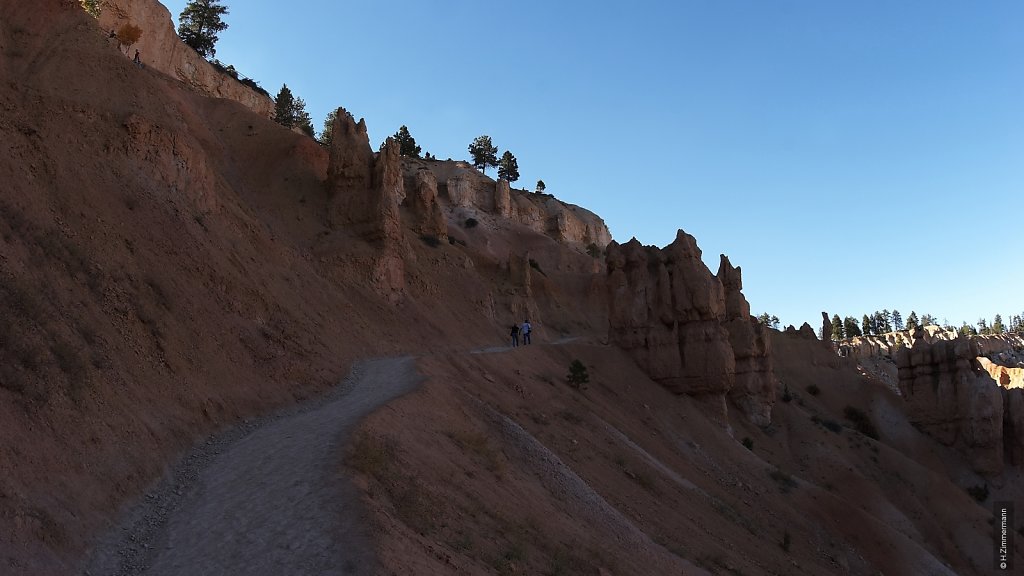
168, 269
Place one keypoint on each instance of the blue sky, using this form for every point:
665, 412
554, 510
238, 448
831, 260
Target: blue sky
850, 156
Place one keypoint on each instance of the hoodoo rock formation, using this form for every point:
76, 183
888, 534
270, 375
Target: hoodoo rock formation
364, 191
350, 172
754, 389
162, 49
364, 197
380, 210
950, 397
671, 314
826, 330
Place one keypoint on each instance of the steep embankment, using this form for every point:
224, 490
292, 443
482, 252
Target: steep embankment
144, 301
496, 465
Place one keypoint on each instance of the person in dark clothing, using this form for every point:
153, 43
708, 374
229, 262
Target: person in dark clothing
137, 60
515, 335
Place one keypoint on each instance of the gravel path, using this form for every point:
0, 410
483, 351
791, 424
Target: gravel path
264, 498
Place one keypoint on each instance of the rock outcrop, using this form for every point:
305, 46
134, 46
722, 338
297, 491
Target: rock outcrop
465, 188
1005, 376
670, 314
429, 219
570, 223
460, 191
754, 389
950, 397
161, 49
805, 331
502, 199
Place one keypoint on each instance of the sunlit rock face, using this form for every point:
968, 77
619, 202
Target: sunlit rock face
950, 397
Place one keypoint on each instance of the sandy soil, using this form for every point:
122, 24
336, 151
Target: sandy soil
262, 498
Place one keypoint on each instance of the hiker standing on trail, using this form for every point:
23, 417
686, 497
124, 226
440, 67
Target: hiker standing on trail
526, 329
137, 60
515, 335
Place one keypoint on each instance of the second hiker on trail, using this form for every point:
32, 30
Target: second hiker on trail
515, 335
526, 329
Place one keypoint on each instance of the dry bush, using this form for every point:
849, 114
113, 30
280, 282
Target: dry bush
128, 35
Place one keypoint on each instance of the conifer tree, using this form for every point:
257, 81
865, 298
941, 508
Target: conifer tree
484, 153
328, 131
837, 327
912, 322
865, 325
540, 186
284, 107
406, 143
301, 117
290, 111
927, 320
199, 24
577, 374
997, 325
886, 320
850, 327
897, 320
877, 326
508, 167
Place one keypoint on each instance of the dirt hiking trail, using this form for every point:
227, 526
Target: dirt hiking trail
263, 498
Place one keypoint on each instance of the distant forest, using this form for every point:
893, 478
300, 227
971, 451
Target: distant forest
886, 321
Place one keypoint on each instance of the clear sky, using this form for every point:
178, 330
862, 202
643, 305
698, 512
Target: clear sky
849, 155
